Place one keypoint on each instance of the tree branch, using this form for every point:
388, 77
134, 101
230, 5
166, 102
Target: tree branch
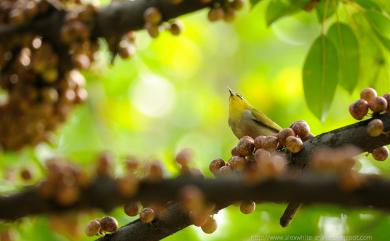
112, 20
355, 134
308, 188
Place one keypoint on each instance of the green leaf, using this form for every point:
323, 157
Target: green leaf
368, 5
325, 9
347, 47
254, 2
277, 9
320, 76
381, 26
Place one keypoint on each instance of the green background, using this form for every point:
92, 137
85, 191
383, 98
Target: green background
173, 94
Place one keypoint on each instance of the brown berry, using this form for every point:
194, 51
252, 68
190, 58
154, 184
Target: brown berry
294, 144
184, 157
152, 30
215, 165
155, 171
127, 185
378, 104
67, 195
191, 198
245, 146
175, 27
93, 228
387, 97
259, 142
380, 153
215, 14
262, 155
147, 215
247, 207
210, 225
283, 134
108, 224
237, 4
225, 171
237, 163
350, 180
229, 15
375, 127
271, 143
131, 209
359, 109
301, 128
131, 164
26, 174
152, 15
368, 94
104, 165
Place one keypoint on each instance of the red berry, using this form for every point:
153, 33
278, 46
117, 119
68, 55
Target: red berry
215, 165
237, 163
359, 109
380, 153
301, 128
368, 94
378, 104
387, 98
109, 224
93, 228
131, 209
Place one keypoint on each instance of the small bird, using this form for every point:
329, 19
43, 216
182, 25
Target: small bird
245, 120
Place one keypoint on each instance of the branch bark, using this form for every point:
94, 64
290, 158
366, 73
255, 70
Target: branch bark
355, 134
103, 194
112, 20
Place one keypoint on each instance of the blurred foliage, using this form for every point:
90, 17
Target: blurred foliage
173, 94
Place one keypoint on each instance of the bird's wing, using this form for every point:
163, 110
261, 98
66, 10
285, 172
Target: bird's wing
263, 120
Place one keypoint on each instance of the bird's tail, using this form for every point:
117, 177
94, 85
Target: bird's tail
289, 213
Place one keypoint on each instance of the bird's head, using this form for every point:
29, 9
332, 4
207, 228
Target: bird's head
237, 104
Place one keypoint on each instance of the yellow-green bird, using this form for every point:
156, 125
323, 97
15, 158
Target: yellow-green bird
245, 120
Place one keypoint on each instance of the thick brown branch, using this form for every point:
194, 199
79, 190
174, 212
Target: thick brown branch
355, 134
112, 20
102, 193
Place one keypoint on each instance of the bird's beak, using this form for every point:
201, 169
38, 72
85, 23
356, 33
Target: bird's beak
231, 92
